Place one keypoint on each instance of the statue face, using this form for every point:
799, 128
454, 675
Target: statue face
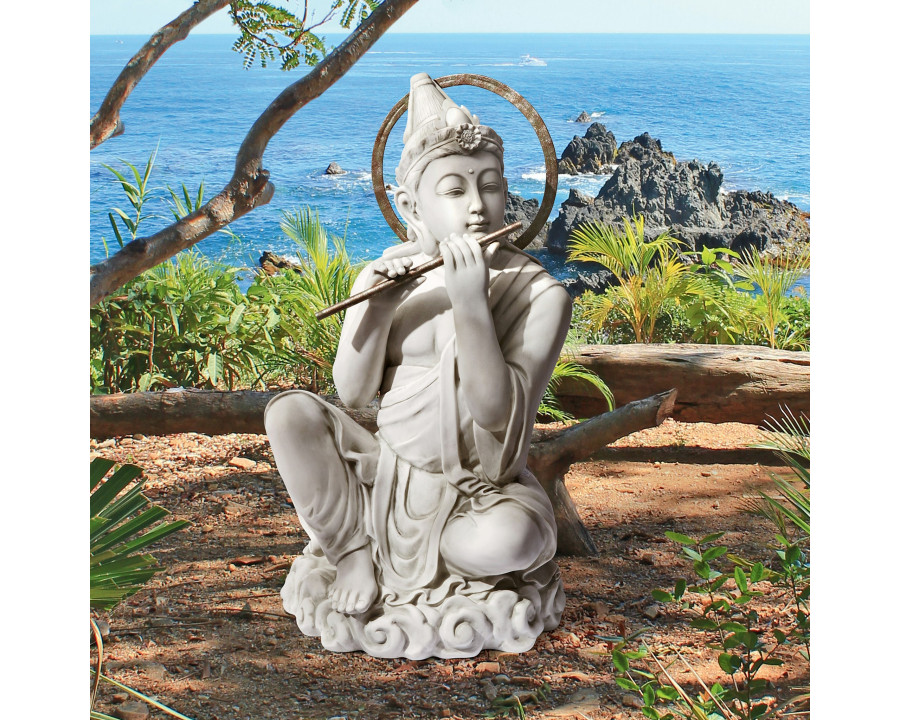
459, 194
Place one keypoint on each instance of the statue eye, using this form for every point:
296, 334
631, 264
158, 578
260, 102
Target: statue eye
490, 187
452, 191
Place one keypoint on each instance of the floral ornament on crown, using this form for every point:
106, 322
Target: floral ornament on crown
468, 137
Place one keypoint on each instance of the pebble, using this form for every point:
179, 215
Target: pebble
119, 698
133, 710
107, 443
139, 436
651, 611
632, 701
492, 668
155, 671
242, 463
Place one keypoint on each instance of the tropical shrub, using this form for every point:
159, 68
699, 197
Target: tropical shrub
183, 323
722, 604
661, 295
121, 520
649, 274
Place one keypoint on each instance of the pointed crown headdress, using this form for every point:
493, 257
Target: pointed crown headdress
436, 126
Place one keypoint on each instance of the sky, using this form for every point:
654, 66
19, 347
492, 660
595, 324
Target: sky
142, 17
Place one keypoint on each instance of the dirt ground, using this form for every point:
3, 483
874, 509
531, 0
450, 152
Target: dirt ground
209, 637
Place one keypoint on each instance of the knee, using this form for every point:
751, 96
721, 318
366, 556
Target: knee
501, 540
294, 414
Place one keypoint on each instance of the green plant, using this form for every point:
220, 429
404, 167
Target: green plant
723, 602
719, 312
305, 345
568, 370
649, 274
183, 323
773, 283
137, 190
123, 522
722, 606
121, 526
789, 438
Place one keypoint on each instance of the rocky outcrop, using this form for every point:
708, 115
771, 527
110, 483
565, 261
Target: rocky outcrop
519, 209
687, 199
590, 153
273, 264
335, 169
583, 117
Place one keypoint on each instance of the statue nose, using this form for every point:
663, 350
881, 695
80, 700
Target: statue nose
476, 204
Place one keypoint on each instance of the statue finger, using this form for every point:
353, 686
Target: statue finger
491, 251
447, 254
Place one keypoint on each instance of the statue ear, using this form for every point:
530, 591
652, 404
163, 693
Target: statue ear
406, 206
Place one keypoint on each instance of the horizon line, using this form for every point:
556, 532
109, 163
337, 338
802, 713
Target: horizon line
612, 32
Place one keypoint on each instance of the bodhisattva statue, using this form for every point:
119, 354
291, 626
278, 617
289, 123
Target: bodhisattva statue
431, 537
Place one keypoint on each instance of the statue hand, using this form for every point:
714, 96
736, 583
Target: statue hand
466, 269
395, 262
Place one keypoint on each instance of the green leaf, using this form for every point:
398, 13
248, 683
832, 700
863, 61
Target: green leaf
702, 569
99, 467
680, 587
649, 694
627, 684
662, 596
668, 693
710, 538
679, 538
729, 663
740, 579
715, 552
103, 495
620, 661
691, 553
757, 573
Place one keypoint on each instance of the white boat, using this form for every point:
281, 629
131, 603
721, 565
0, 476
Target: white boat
528, 60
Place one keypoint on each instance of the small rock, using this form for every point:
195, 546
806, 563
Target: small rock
139, 436
242, 463
103, 627
492, 668
715, 505
335, 169
651, 611
583, 117
446, 712
107, 443
206, 528
632, 701
155, 671
133, 710
119, 698
502, 677
705, 473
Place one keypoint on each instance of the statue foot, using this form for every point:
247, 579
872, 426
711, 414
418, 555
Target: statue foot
354, 589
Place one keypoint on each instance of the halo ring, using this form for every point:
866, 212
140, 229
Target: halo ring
507, 93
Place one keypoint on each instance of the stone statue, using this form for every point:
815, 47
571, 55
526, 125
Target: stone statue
431, 537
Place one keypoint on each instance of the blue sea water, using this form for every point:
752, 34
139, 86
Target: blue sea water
740, 101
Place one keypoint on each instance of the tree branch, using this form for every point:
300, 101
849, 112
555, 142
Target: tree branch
106, 123
249, 187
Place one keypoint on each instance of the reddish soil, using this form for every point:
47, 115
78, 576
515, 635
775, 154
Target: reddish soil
209, 637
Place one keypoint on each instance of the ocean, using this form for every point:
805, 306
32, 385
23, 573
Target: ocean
741, 101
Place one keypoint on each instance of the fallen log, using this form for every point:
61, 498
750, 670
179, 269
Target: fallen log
551, 456
181, 410
213, 412
715, 383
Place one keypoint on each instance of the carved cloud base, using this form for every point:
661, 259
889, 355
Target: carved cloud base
507, 616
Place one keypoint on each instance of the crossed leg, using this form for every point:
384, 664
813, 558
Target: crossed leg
324, 483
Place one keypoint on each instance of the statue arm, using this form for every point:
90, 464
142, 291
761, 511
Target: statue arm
483, 369
359, 361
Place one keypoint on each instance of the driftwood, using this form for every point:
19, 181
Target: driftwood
550, 458
715, 383
212, 412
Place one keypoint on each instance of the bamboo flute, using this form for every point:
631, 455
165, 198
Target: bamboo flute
412, 274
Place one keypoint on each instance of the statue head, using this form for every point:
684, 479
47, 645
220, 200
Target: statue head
450, 175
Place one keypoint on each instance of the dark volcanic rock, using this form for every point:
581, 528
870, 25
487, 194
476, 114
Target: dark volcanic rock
273, 264
335, 169
520, 209
686, 198
583, 117
597, 281
589, 153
